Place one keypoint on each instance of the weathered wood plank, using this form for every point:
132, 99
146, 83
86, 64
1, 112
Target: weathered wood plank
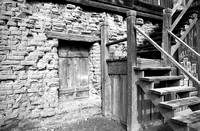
174, 104
152, 68
160, 78
169, 90
189, 119
72, 37
117, 68
142, 12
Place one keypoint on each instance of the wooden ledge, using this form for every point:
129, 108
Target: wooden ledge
72, 37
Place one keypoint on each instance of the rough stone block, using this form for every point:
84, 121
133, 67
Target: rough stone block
22, 24
19, 53
29, 63
30, 49
11, 23
35, 114
38, 76
32, 90
48, 113
15, 58
15, 32
13, 29
7, 13
17, 67
9, 62
19, 91
12, 116
2, 98
8, 77
9, 92
1, 120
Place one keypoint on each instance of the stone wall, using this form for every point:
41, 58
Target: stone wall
29, 64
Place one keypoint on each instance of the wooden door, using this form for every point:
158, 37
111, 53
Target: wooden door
73, 72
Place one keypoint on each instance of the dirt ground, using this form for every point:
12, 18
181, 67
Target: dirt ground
91, 124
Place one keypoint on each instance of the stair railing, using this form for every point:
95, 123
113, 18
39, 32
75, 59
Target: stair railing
179, 66
175, 48
183, 43
186, 7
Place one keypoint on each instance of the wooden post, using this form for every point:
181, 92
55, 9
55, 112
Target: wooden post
105, 81
166, 40
198, 50
132, 118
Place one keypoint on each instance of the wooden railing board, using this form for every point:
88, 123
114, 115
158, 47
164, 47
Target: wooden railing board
183, 43
175, 47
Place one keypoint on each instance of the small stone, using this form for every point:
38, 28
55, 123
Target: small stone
70, 6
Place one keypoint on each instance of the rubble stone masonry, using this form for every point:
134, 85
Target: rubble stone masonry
29, 63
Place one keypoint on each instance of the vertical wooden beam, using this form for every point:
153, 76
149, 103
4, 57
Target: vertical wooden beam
166, 40
105, 81
198, 50
132, 118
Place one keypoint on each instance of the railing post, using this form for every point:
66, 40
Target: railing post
166, 40
132, 117
105, 81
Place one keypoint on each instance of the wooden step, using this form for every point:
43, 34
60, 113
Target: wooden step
160, 78
169, 90
188, 119
152, 68
174, 104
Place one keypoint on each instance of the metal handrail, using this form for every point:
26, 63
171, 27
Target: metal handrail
182, 42
179, 66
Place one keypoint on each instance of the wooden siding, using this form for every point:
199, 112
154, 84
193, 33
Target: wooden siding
119, 97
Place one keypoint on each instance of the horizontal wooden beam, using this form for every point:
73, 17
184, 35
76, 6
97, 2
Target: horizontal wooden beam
72, 37
141, 11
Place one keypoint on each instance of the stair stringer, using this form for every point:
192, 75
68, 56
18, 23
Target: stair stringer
156, 99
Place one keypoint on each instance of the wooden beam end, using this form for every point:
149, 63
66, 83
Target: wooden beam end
131, 13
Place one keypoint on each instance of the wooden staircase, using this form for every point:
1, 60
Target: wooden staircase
181, 114
177, 104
